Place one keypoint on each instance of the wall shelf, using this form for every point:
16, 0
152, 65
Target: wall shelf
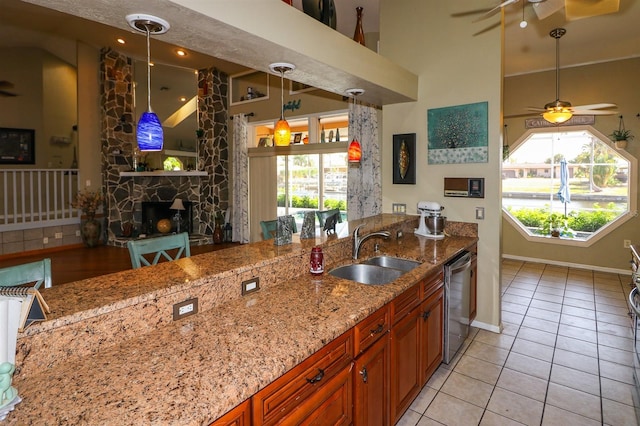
164, 173
177, 153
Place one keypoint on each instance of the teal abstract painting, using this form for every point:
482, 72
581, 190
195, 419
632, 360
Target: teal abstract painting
458, 134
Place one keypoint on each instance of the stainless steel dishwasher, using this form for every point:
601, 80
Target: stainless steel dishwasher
457, 290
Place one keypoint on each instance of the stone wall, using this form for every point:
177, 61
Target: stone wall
124, 194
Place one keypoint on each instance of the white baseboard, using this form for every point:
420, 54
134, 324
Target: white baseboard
569, 264
488, 327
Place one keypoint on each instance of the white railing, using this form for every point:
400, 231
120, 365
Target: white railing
35, 198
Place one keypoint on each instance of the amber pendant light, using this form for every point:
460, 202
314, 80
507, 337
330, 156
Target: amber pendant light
282, 131
355, 150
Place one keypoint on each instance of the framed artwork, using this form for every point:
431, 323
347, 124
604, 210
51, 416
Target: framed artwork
297, 138
458, 134
17, 146
404, 158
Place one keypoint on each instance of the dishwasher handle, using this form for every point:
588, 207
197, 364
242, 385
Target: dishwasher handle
460, 264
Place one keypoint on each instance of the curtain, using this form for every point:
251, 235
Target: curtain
364, 183
240, 176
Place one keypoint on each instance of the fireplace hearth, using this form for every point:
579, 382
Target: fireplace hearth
153, 211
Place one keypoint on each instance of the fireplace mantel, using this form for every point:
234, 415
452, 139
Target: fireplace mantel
164, 173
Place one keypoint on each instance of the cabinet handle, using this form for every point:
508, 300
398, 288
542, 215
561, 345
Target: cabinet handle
364, 374
377, 329
317, 378
425, 315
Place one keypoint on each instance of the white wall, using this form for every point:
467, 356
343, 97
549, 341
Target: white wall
454, 67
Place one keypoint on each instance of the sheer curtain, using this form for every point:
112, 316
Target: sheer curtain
240, 176
364, 183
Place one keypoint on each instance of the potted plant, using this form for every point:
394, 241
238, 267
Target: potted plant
556, 225
621, 136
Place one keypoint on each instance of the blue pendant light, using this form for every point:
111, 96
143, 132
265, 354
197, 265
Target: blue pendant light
149, 132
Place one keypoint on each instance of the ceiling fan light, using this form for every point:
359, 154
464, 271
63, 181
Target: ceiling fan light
557, 116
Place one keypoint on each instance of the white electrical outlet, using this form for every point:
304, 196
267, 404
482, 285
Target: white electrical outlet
77, 232
58, 235
45, 240
250, 285
626, 243
186, 308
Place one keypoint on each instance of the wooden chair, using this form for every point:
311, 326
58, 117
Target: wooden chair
38, 272
270, 227
323, 215
159, 246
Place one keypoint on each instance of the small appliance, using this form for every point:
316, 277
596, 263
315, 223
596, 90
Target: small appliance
431, 221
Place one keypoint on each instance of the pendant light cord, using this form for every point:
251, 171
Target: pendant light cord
557, 68
148, 70
281, 94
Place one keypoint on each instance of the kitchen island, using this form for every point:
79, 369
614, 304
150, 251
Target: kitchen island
111, 354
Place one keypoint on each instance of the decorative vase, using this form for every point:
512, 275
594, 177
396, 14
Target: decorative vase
217, 234
90, 231
358, 35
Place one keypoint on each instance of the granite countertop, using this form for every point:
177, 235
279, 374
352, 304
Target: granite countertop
191, 371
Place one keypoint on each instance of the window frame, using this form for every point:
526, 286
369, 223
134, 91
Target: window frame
605, 230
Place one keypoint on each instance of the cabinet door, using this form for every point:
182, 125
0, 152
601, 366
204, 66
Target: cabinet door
371, 385
473, 289
431, 334
405, 365
239, 416
330, 405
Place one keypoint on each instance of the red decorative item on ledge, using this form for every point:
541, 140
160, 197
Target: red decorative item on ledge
358, 35
288, 2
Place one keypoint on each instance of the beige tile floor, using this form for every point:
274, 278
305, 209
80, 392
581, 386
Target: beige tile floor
564, 357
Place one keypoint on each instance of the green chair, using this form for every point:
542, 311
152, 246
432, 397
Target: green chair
158, 246
270, 227
38, 272
325, 214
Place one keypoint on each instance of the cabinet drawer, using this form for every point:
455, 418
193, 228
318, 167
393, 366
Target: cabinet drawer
370, 329
431, 284
283, 395
403, 304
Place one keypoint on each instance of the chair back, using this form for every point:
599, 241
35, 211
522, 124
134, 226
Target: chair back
158, 246
324, 215
38, 272
270, 228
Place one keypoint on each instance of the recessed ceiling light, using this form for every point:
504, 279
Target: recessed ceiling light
121, 41
182, 99
181, 52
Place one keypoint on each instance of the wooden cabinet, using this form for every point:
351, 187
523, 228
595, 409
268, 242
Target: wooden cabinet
371, 370
239, 416
405, 365
416, 341
474, 288
431, 333
320, 384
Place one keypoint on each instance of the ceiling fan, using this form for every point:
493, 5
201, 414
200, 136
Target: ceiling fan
573, 9
4, 88
558, 111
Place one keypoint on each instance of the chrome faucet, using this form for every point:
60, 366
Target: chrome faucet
358, 240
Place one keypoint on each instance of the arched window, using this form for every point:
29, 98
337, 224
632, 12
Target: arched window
567, 185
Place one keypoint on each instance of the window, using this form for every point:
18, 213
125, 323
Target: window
312, 182
600, 180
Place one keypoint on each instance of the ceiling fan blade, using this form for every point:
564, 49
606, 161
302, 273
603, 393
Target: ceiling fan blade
592, 112
545, 9
7, 94
595, 106
536, 109
4, 84
495, 10
578, 9
469, 12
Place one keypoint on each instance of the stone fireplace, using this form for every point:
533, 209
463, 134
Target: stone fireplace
205, 190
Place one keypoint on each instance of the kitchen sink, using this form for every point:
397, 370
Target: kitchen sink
367, 274
393, 262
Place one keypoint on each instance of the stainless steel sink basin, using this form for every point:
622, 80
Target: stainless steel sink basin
367, 274
393, 262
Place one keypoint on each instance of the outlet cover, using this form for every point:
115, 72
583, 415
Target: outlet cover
58, 235
186, 308
250, 285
